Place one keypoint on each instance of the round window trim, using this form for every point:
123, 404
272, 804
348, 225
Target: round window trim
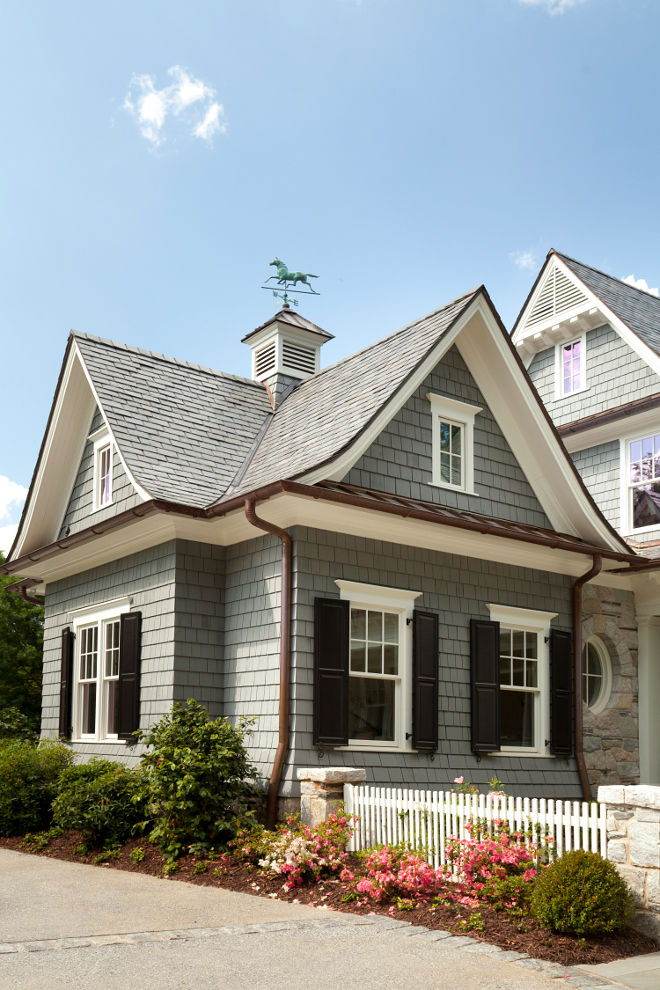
606, 667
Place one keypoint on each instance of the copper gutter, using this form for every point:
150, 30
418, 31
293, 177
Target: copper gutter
577, 673
20, 588
611, 416
285, 658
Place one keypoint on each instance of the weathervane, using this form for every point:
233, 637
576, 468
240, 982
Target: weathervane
286, 278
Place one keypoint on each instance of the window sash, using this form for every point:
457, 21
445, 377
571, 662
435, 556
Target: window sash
452, 453
571, 369
97, 679
643, 479
105, 475
372, 630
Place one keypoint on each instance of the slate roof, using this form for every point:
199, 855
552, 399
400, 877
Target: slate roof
638, 309
328, 411
184, 430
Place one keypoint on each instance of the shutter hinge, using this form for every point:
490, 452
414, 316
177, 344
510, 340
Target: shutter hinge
546, 639
547, 742
408, 735
408, 621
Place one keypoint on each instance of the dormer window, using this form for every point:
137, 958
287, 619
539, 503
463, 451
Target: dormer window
452, 436
102, 488
571, 367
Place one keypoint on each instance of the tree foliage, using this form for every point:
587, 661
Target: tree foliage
21, 652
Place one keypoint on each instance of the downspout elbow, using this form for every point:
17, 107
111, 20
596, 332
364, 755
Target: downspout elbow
285, 658
577, 673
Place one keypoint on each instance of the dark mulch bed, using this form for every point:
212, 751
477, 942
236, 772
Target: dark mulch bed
498, 929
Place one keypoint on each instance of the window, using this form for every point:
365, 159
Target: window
103, 451
570, 367
596, 675
644, 482
524, 679
96, 666
452, 437
380, 674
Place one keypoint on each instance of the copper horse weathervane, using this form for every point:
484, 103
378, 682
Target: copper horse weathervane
286, 279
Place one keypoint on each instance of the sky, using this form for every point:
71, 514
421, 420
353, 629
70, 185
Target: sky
158, 155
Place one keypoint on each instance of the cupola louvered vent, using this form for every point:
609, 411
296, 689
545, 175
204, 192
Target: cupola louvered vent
559, 294
265, 360
298, 358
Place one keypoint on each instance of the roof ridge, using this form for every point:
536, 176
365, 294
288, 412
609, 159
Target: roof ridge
141, 352
599, 271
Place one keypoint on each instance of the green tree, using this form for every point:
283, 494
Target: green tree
21, 652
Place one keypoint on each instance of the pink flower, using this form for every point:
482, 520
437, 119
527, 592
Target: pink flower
458, 780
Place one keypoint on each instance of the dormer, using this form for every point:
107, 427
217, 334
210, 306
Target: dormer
285, 349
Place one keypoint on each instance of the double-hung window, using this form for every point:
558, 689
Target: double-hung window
452, 438
96, 669
644, 482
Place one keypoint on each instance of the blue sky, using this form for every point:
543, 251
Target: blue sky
157, 155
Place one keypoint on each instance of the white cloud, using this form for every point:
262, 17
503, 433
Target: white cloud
552, 6
186, 97
7, 537
640, 283
524, 260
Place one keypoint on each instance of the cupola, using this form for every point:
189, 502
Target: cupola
285, 349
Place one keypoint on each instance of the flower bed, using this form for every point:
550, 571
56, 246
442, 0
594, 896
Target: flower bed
409, 889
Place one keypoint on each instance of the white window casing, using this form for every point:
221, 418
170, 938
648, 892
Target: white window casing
401, 603
628, 486
455, 414
529, 620
604, 676
580, 339
95, 668
103, 470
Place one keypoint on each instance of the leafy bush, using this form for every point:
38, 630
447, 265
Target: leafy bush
294, 849
101, 799
28, 782
197, 786
582, 894
15, 725
499, 868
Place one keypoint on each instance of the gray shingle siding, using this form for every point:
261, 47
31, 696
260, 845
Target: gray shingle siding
124, 495
600, 469
615, 375
399, 460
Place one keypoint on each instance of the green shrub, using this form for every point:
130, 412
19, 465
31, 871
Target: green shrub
581, 893
101, 799
197, 787
15, 725
28, 782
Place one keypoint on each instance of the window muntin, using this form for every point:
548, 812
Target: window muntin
97, 671
596, 675
451, 453
644, 481
88, 677
111, 676
373, 675
571, 367
519, 687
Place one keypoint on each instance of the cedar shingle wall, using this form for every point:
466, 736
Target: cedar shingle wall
399, 461
599, 467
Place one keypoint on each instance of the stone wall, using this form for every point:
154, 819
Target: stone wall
633, 843
611, 737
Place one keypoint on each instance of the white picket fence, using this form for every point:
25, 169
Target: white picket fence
427, 819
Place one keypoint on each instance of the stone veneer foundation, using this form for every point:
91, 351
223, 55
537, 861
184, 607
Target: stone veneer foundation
633, 843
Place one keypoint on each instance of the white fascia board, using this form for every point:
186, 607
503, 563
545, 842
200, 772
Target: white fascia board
515, 406
63, 448
289, 510
142, 492
340, 467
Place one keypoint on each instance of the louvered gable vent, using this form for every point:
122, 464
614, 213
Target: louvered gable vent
558, 295
265, 360
298, 358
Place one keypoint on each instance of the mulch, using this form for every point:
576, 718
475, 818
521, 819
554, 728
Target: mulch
521, 935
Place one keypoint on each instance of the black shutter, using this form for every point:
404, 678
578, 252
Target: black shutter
561, 692
485, 676
331, 630
128, 699
425, 681
66, 684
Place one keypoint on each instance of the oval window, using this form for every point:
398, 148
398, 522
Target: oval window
596, 678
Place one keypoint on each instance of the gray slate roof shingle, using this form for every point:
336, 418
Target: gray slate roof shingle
184, 430
638, 309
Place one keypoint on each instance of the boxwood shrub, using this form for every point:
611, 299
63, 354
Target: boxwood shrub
102, 799
580, 894
28, 783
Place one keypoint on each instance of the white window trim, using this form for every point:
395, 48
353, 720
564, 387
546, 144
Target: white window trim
606, 691
403, 602
79, 618
463, 414
559, 370
538, 622
626, 508
102, 439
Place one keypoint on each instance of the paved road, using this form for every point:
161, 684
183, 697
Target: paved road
63, 925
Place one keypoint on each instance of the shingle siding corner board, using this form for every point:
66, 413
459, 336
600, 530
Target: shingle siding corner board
347, 395
600, 469
124, 495
457, 589
399, 460
615, 374
183, 430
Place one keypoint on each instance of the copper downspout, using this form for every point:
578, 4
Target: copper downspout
577, 673
20, 588
285, 658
